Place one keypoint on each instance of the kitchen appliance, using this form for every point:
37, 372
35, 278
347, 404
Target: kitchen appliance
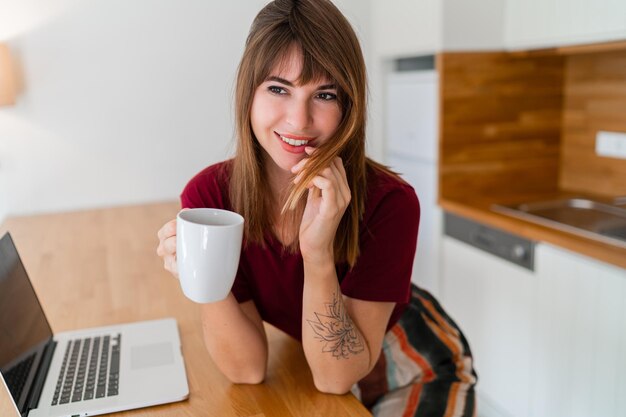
412, 142
504, 245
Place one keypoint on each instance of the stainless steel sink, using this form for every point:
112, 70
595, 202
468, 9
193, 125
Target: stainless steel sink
588, 218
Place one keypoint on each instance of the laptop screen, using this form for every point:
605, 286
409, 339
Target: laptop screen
24, 329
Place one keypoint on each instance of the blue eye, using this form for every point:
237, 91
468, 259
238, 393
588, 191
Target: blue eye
276, 90
327, 96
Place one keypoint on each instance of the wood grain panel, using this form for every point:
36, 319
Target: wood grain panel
500, 124
594, 99
520, 126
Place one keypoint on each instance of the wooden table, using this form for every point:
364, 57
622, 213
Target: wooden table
99, 267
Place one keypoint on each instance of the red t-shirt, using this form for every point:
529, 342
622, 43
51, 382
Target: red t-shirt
274, 279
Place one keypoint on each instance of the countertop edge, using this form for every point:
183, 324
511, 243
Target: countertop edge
613, 255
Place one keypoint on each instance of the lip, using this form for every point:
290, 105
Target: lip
290, 148
295, 137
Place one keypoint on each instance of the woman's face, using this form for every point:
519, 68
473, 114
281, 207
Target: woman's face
287, 116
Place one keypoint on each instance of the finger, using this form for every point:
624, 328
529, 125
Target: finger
336, 173
310, 150
344, 186
338, 190
332, 174
298, 177
298, 167
314, 193
169, 246
342, 169
330, 203
339, 185
168, 229
326, 187
169, 263
175, 267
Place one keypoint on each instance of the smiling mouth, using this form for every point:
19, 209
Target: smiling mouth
294, 141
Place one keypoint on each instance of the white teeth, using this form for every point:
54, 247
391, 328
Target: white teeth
294, 142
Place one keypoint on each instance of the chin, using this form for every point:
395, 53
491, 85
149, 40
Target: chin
283, 162
287, 165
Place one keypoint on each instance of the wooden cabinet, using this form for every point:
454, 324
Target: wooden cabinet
548, 23
546, 344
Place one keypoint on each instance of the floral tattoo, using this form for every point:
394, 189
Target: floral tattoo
336, 330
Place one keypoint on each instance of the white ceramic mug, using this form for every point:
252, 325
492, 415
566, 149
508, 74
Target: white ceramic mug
208, 245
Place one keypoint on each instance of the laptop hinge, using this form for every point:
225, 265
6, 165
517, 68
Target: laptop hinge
40, 378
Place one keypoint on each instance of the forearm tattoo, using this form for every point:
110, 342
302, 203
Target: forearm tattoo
337, 330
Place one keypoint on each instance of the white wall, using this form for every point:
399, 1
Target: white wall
122, 101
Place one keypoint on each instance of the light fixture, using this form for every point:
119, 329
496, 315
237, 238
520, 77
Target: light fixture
7, 80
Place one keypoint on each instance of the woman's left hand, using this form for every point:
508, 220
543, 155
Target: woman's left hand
329, 196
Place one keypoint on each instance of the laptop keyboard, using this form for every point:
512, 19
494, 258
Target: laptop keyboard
16, 376
90, 369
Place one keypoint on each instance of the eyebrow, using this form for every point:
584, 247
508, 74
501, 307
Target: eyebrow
290, 84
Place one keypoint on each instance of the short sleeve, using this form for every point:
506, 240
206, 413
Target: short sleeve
208, 189
191, 198
388, 239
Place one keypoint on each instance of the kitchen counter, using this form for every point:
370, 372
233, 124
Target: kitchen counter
480, 211
518, 127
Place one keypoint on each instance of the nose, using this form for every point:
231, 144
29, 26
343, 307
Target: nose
299, 115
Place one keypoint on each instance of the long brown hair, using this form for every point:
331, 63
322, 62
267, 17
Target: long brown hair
331, 50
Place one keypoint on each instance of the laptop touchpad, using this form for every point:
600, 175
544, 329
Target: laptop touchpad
148, 356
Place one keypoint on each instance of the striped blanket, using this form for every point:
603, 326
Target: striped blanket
425, 368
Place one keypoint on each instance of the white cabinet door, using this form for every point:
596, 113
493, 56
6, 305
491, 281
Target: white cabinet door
605, 18
406, 27
579, 337
529, 23
547, 23
491, 300
548, 344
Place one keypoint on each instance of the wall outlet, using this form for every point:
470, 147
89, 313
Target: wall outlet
611, 144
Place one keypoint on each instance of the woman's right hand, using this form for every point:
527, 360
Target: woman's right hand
167, 247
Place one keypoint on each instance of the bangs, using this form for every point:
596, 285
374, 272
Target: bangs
312, 71
275, 52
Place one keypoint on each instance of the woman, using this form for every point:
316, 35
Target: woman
330, 235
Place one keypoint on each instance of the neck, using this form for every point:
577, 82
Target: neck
284, 227
278, 180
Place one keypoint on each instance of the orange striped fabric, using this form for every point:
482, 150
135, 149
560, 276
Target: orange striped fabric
413, 402
426, 367
427, 370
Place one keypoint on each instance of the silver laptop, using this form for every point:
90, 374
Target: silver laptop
86, 372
